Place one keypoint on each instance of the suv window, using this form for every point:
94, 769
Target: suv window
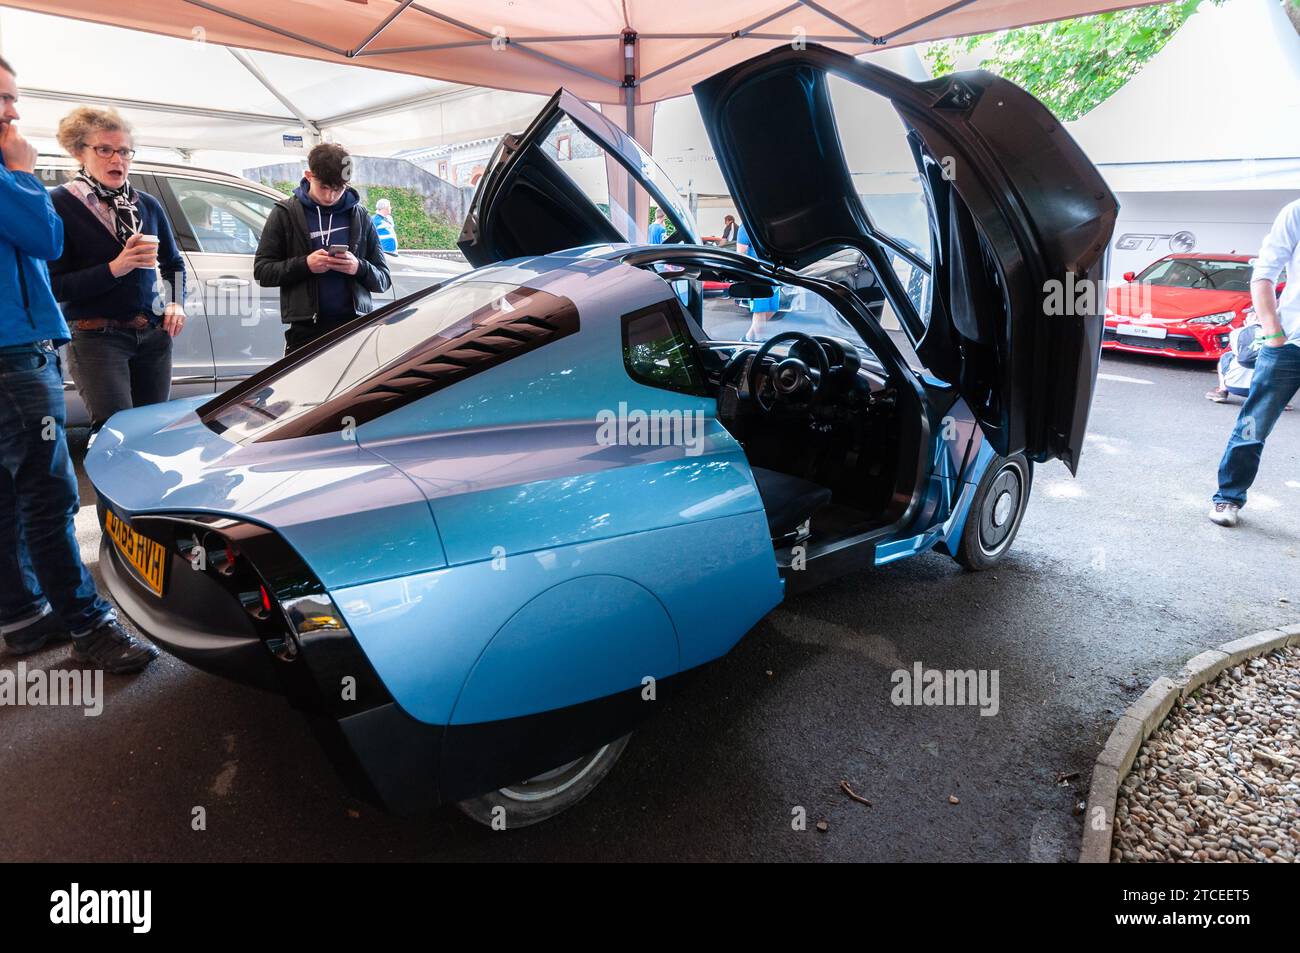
658, 352
223, 219
389, 359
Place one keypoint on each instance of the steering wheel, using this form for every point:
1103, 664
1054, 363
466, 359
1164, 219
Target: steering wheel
792, 380
1205, 275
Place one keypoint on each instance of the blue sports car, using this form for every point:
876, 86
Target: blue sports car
478, 534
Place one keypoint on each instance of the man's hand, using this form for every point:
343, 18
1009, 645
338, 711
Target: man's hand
135, 254
346, 263
1263, 295
319, 261
19, 154
173, 319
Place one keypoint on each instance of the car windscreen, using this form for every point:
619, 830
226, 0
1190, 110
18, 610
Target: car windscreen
1209, 274
378, 363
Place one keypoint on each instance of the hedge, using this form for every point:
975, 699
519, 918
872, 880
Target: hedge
415, 227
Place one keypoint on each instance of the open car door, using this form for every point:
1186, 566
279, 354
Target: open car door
572, 178
1013, 201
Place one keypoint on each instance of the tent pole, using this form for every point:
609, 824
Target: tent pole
308, 126
61, 96
840, 21
628, 40
520, 46
951, 8
382, 27
270, 28
738, 34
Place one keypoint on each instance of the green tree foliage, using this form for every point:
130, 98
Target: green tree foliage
1072, 65
415, 227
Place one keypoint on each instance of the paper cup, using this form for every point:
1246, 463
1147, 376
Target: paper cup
150, 241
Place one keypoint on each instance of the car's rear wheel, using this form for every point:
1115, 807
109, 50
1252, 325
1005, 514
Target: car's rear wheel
996, 512
547, 794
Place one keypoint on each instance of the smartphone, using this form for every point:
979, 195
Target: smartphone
338, 251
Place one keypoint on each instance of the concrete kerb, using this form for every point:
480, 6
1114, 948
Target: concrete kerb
1145, 715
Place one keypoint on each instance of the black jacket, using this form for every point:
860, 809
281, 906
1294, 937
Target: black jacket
281, 261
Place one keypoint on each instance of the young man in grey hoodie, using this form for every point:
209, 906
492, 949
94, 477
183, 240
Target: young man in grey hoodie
320, 291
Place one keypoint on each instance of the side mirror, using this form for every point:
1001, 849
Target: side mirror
750, 289
1130, 275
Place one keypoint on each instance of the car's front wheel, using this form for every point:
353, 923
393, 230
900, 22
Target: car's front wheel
542, 797
995, 512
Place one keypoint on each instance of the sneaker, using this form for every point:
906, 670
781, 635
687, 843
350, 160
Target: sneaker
1219, 395
33, 637
113, 649
1225, 514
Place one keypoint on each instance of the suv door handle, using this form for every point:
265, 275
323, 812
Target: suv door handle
228, 282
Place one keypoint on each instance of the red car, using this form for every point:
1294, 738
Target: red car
1180, 306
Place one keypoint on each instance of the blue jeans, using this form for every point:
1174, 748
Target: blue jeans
1276, 380
40, 562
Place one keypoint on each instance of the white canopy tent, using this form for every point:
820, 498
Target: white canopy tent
627, 54
231, 108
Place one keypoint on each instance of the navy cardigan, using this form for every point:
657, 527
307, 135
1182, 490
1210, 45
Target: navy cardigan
81, 279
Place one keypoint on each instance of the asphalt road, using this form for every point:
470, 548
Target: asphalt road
1116, 578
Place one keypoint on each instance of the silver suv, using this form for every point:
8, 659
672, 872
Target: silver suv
233, 327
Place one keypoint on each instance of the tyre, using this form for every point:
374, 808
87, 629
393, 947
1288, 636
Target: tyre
995, 512
543, 797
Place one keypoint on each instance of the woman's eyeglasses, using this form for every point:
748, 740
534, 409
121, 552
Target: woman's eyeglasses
107, 152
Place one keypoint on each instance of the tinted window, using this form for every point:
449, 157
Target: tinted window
224, 219
880, 160
889, 185
657, 350
725, 318
1206, 273
620, 197
381, 362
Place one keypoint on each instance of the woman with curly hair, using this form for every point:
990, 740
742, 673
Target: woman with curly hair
121, 277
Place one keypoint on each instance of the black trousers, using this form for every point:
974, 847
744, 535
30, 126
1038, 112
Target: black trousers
116, 368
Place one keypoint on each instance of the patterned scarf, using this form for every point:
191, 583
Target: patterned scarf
122, 201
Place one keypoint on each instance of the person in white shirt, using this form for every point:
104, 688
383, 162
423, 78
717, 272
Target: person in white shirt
1277, 367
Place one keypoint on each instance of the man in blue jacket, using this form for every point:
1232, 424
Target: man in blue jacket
384, 228
45, 590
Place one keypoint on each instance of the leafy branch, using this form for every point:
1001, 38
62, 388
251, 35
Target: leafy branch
1072, 65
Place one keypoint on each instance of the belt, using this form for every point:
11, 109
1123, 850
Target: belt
46, 345
138, 323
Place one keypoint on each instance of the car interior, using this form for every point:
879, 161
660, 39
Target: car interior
827, 426
1206, 274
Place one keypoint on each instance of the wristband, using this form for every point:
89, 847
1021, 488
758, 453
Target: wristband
1269, 337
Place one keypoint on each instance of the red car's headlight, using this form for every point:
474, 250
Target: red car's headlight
1222, 317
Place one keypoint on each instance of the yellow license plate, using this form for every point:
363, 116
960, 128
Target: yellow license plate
146, 557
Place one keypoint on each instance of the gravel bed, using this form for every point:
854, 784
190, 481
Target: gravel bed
1219, 780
